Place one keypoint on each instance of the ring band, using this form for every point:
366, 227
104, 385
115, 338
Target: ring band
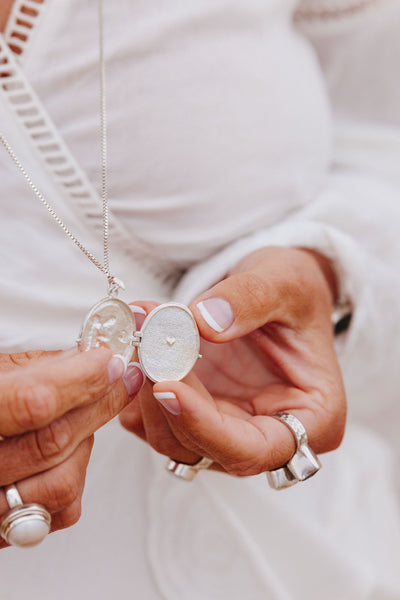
187, 472
12, 496
303, 464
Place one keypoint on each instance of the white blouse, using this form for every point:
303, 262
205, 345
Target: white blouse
231, 126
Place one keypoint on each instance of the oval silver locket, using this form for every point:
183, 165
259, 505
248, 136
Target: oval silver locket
168, 342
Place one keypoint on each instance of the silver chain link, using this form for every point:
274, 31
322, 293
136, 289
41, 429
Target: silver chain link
114, 283
103, 138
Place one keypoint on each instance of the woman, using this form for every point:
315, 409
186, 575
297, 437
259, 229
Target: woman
204, 119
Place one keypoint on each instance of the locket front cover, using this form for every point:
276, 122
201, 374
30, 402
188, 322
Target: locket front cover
110, 322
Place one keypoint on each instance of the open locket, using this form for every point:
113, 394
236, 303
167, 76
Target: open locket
168, 343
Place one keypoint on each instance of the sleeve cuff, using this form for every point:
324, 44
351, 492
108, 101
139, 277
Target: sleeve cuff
344, 254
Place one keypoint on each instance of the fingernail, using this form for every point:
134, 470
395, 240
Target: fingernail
134, 378
116, 368
169, 402
137, 309
217, 313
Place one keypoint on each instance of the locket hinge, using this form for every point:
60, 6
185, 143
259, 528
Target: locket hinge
136, 339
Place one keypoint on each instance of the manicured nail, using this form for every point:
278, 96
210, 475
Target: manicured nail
169, 402
116, 368
137, 309
134, 378
217, 313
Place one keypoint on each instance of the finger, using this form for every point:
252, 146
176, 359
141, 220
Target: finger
131, 417
140, 310
37, 451
158, 433
37, 394
63, 519
323, 416
9, 362
67, 517
145, 418
280, 285
242, 446
57, 488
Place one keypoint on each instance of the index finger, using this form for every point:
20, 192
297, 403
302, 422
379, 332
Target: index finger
247, 444
34, 396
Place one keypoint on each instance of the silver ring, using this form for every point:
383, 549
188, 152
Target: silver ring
187, 472
24, 525
303, 464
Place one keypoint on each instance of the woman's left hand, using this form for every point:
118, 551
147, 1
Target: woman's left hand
267, 348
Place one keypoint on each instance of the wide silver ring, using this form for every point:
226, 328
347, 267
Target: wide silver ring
187, 472
24, 525
303, 464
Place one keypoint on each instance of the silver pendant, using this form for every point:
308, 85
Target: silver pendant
109, 323
168, 343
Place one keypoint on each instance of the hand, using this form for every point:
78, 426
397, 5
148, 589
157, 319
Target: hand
51, 403
268, 348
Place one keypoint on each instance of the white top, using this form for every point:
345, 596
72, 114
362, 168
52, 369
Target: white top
222, 139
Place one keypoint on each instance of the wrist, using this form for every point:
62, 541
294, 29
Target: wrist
328, 272
341, 308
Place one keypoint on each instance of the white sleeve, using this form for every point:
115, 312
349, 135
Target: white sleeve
354, 219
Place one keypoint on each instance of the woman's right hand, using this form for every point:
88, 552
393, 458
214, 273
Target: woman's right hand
50, 406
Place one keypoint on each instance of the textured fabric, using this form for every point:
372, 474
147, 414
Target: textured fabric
231, 128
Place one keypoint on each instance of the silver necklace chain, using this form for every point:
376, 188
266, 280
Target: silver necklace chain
103, 140
114, 283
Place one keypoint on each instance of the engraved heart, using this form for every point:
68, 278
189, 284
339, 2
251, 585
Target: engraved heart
171, 341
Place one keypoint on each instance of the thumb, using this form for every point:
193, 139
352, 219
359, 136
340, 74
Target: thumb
276, 284
236, 306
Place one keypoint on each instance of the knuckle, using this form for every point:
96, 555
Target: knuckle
90, 442
254, 288
164, 445
298, 296
70, 516
244, 468
20, 359
52, 440
131, 422
97, 386
116, 401
277, 457
330, 432
336, 432
61, 490
33, 405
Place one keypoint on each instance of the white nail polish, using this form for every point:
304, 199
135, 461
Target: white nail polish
169, 401
208, 318
164, 396
123, 360
137, 309
116, 368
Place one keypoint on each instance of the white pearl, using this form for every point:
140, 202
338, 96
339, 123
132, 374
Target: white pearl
28, 532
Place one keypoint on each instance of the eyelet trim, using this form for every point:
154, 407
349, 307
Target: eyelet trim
49, 145
21, 24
